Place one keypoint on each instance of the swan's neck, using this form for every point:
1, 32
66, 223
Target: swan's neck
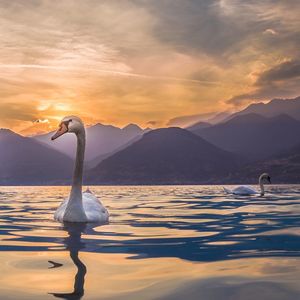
262, 188
76, 191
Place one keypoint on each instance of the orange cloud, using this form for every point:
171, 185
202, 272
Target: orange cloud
123, 62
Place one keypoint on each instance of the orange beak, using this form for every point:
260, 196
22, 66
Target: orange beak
62, 130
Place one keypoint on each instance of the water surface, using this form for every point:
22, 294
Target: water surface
169, 242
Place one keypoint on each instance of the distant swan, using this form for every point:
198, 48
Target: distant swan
246, 190
78, 207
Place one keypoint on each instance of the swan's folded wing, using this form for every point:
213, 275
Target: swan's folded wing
59, 214
94, 209
244, 190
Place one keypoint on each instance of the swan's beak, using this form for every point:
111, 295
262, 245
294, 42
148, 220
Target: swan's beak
62, 130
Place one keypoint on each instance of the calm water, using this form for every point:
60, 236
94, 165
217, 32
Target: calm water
190, 242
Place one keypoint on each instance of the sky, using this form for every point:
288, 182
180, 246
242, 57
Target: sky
143, 61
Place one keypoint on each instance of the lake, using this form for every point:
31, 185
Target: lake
163, 242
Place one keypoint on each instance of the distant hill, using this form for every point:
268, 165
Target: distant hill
165, 156
273, 108
283, 168
198, 126
218, 118
254, 136
25, 161
190, 120
101, 140
94, 162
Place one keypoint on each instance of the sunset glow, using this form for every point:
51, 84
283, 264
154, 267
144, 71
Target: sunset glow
143, 62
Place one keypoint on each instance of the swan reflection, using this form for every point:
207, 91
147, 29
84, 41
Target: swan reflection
74, 245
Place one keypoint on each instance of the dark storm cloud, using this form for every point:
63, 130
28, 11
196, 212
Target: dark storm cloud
281, 81
284, 71
289, 89
214, 27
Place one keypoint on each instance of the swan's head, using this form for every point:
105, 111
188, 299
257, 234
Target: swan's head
265, 177
70, 124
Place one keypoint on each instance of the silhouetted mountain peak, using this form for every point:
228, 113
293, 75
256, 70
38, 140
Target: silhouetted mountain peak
132, 127
102, 126
253, 135
101, 140
26, 161
283, 118
255, 118
165, 155
7, 133
247, 118
176, 138
198, 126
170, 132
279, 100
273, 108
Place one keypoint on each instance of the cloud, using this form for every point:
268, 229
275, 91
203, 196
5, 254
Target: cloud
153, 123
282, 80
14, 114
288, 89
41, 121
184, 121
284, 71
270, 31
134, 61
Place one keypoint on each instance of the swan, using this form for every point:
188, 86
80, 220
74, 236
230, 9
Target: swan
79, 206
247, 190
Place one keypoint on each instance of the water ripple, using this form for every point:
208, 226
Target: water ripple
197, 223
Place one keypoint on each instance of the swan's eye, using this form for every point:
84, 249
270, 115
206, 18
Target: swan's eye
66, 123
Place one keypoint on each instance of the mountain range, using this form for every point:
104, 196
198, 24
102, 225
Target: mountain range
253, 136
275, 107
159, 155
260, 138
187, 121
26, 161
283, 167
102, 140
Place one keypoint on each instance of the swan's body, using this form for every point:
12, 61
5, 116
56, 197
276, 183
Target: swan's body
244, 190
241, 190
92, 207
79, 207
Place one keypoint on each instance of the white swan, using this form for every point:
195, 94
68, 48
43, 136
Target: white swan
78, 207
247, 190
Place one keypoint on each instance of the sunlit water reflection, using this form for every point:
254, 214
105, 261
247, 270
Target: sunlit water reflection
161, 243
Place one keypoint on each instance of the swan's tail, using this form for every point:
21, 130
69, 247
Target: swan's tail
227, 191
